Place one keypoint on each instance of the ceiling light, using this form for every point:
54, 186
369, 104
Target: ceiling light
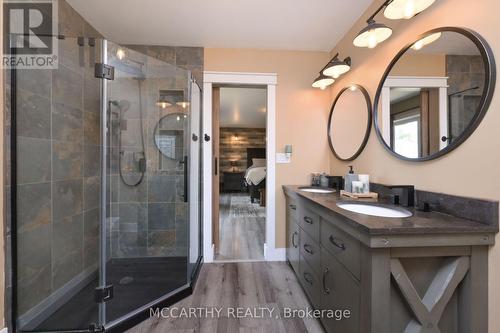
337, 67
120, 53
373, 34
405, 9
426, 41
322, 82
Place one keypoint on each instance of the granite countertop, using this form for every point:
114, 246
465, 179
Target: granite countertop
419, 223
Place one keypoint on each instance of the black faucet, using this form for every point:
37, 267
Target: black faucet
403, 195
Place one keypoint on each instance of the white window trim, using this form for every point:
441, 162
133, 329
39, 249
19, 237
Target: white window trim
440, 82
271, 253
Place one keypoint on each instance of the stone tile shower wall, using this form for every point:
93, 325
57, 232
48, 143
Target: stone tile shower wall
58, 115
464, 72
151, 219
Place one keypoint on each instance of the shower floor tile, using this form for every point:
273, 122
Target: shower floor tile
136, 282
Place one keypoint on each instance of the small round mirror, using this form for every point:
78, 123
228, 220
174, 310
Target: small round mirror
434, 94
349, 124
169, 135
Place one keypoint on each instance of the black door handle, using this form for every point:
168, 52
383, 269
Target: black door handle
293, 207
207, 137
308, 220
325, 288
185, 179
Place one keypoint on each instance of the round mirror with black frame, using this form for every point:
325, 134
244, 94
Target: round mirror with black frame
434, 94
349, 123
169, 135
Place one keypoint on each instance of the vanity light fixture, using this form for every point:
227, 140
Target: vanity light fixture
337, 67
183, 104
322, 81
372, 35
426, 41
375, 33
163, 104
405, 9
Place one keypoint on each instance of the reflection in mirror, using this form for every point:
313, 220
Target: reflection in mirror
434, 94
169, 137
349, 123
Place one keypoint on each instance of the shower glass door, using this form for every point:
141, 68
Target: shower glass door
152, 218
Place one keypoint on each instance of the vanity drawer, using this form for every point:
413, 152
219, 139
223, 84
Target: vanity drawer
346, 249
291, 208
310, 251
310, 282
309, 221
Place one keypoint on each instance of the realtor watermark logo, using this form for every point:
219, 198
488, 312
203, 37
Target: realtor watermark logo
30, 34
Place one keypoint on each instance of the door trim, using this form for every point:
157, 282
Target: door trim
271, 253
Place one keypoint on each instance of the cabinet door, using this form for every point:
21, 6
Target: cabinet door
292, 242
339, 292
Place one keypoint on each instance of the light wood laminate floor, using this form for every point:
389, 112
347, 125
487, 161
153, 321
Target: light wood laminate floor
253, 285
242, 227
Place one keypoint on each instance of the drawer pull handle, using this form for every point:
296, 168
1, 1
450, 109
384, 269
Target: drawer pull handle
308, 249
295, 233
308, 220
338, 243
293, 207
325, 288
308, 280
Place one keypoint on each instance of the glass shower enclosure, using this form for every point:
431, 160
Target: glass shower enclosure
105, 187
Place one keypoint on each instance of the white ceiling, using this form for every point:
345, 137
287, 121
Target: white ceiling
263, 24
243, 107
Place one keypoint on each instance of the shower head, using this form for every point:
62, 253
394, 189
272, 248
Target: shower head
122, 105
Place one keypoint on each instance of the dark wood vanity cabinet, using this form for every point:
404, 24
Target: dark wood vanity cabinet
292, 235
383, 281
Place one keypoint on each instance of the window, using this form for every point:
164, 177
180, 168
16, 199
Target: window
406, 141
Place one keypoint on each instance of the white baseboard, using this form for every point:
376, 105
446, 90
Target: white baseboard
275, 254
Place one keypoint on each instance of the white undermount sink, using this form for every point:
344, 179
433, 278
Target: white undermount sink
316, 190
375, 210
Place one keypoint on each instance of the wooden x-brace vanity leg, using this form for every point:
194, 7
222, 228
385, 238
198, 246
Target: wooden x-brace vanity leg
429, 309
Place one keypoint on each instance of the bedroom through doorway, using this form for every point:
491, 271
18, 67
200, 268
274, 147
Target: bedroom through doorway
239, 115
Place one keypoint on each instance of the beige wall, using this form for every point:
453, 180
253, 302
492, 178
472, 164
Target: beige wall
301, 111
479, 155
420, 65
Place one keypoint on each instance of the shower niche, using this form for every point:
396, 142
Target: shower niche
104, 187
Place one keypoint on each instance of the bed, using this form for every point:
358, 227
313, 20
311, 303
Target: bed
255, 177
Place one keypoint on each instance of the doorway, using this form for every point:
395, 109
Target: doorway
210, 192
239, 180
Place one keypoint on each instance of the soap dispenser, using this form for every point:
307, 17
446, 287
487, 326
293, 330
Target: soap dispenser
349, 178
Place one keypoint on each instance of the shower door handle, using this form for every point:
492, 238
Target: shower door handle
195, 137
207, 137
185, 179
